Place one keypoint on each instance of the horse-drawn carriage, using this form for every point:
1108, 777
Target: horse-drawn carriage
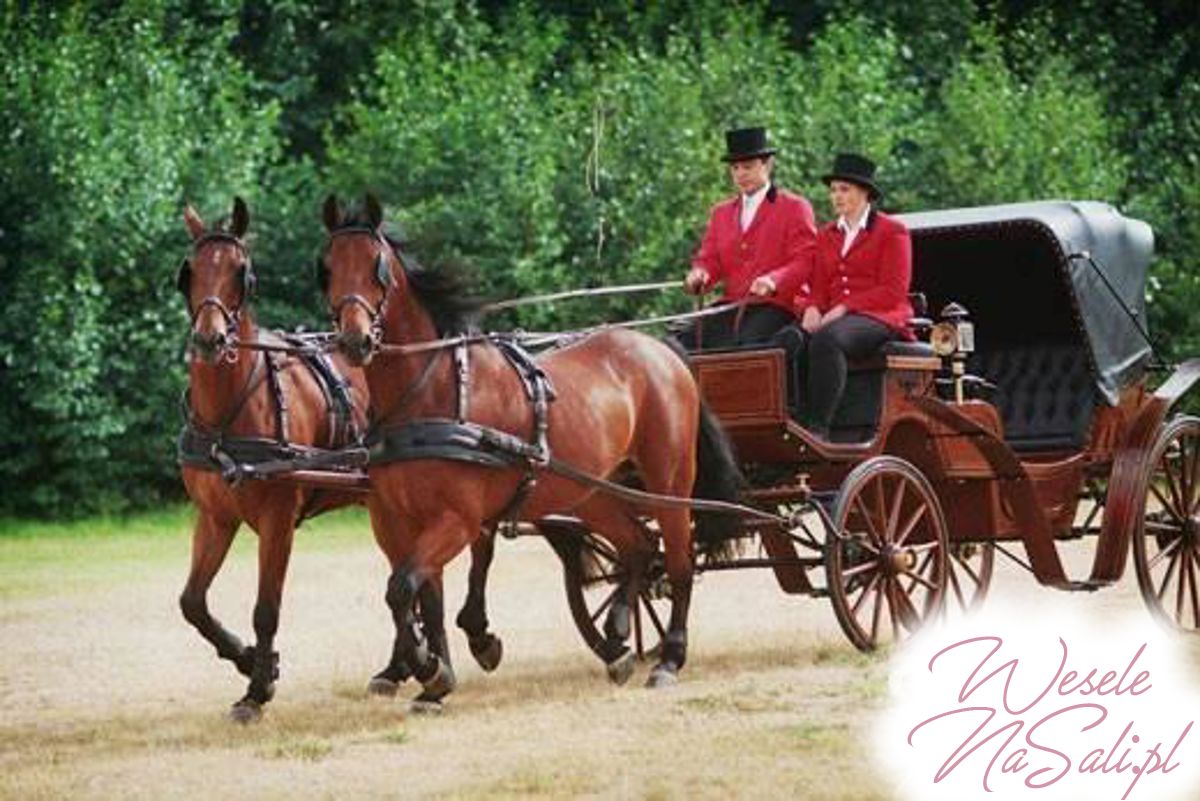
1025, 415
1030, 422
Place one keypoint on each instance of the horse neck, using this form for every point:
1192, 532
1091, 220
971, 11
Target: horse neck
406, 322
214, 389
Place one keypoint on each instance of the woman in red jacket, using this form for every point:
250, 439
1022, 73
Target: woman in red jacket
859, 292
759, 245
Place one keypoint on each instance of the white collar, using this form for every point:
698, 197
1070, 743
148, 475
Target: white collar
755, 197
845, 226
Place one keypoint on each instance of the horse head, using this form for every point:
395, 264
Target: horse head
358, 274
217, 282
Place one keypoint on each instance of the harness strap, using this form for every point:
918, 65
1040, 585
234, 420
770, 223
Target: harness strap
273, 371
462, 368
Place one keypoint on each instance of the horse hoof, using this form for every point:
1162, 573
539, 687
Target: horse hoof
662, 677
246, 712
488, 653
422, 705
381, 687
440, 684
621, 668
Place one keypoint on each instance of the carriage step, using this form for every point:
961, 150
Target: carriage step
1088, 585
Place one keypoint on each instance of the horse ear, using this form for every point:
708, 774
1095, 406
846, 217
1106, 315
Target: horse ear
192, 220
241, 218
332, 213
374, 210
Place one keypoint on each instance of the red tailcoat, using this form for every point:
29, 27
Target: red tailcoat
873, 277
780, 243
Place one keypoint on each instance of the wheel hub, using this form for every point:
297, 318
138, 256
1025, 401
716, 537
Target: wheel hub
897, 560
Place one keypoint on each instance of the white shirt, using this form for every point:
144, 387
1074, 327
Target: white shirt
750, 204
852, 231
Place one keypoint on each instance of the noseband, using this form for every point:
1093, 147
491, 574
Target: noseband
227, 351
383, 277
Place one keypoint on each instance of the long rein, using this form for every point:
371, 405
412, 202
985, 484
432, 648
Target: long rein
539, 339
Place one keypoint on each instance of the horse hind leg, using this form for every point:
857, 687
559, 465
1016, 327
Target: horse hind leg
677, 545
211, 539
486, 647
615, 521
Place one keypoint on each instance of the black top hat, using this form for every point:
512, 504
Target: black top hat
855, 169
747, 143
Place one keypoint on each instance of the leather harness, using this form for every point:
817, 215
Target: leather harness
236, 458
460, 440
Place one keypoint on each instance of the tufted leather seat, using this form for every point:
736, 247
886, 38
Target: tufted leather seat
1045, 394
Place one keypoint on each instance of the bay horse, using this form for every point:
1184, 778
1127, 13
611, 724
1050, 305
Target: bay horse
264, 405
624, 399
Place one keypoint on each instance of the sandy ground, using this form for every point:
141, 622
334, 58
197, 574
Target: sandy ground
109, 694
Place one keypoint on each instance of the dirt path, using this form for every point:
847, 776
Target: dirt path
110, 695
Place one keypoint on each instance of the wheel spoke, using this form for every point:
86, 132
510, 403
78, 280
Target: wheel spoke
1194, 501
1171, 565
1185, 570
892, 592
918, 579
924, 546
911, 523
1158, 557
920, 569
957, 586
906, 613
1177, 507
863, 568
894, 516
866, 591
607, 603
1195, 593
650, 613
862, 510
1166, 505
963, 564
879, 590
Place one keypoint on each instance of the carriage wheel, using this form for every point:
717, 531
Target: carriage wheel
589, 596
1166, 540
970, 575
887, 558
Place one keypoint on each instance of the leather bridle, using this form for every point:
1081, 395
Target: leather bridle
227, 350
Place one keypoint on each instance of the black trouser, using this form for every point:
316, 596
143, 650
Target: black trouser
758, 323
819, 362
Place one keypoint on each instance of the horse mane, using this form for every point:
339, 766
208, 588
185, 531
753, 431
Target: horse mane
444, 291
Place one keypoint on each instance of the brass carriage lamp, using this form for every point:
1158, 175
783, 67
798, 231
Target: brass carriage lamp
953, 339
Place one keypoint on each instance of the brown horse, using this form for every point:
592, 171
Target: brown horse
623, 399
256, 406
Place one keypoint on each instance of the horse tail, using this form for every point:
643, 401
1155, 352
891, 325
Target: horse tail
718, 478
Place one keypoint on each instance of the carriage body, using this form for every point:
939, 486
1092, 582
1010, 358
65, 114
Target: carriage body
1071, 441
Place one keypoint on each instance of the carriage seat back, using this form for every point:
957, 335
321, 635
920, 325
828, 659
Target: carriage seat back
1045, 394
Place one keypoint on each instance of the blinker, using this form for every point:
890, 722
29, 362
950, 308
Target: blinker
383, 273
322, 274
183, 278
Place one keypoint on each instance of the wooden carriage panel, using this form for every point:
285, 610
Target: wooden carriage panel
960, 456
974, 512
744, 387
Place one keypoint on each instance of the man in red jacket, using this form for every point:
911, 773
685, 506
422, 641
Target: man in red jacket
859, 292
759, 245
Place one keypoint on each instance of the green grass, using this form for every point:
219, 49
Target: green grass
36, 556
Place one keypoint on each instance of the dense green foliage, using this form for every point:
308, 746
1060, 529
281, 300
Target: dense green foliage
543, 144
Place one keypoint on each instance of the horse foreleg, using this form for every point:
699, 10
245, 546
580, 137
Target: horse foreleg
472, 619
211, 539
680, 571
274, 552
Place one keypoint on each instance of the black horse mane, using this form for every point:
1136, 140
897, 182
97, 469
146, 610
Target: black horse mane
443, 291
